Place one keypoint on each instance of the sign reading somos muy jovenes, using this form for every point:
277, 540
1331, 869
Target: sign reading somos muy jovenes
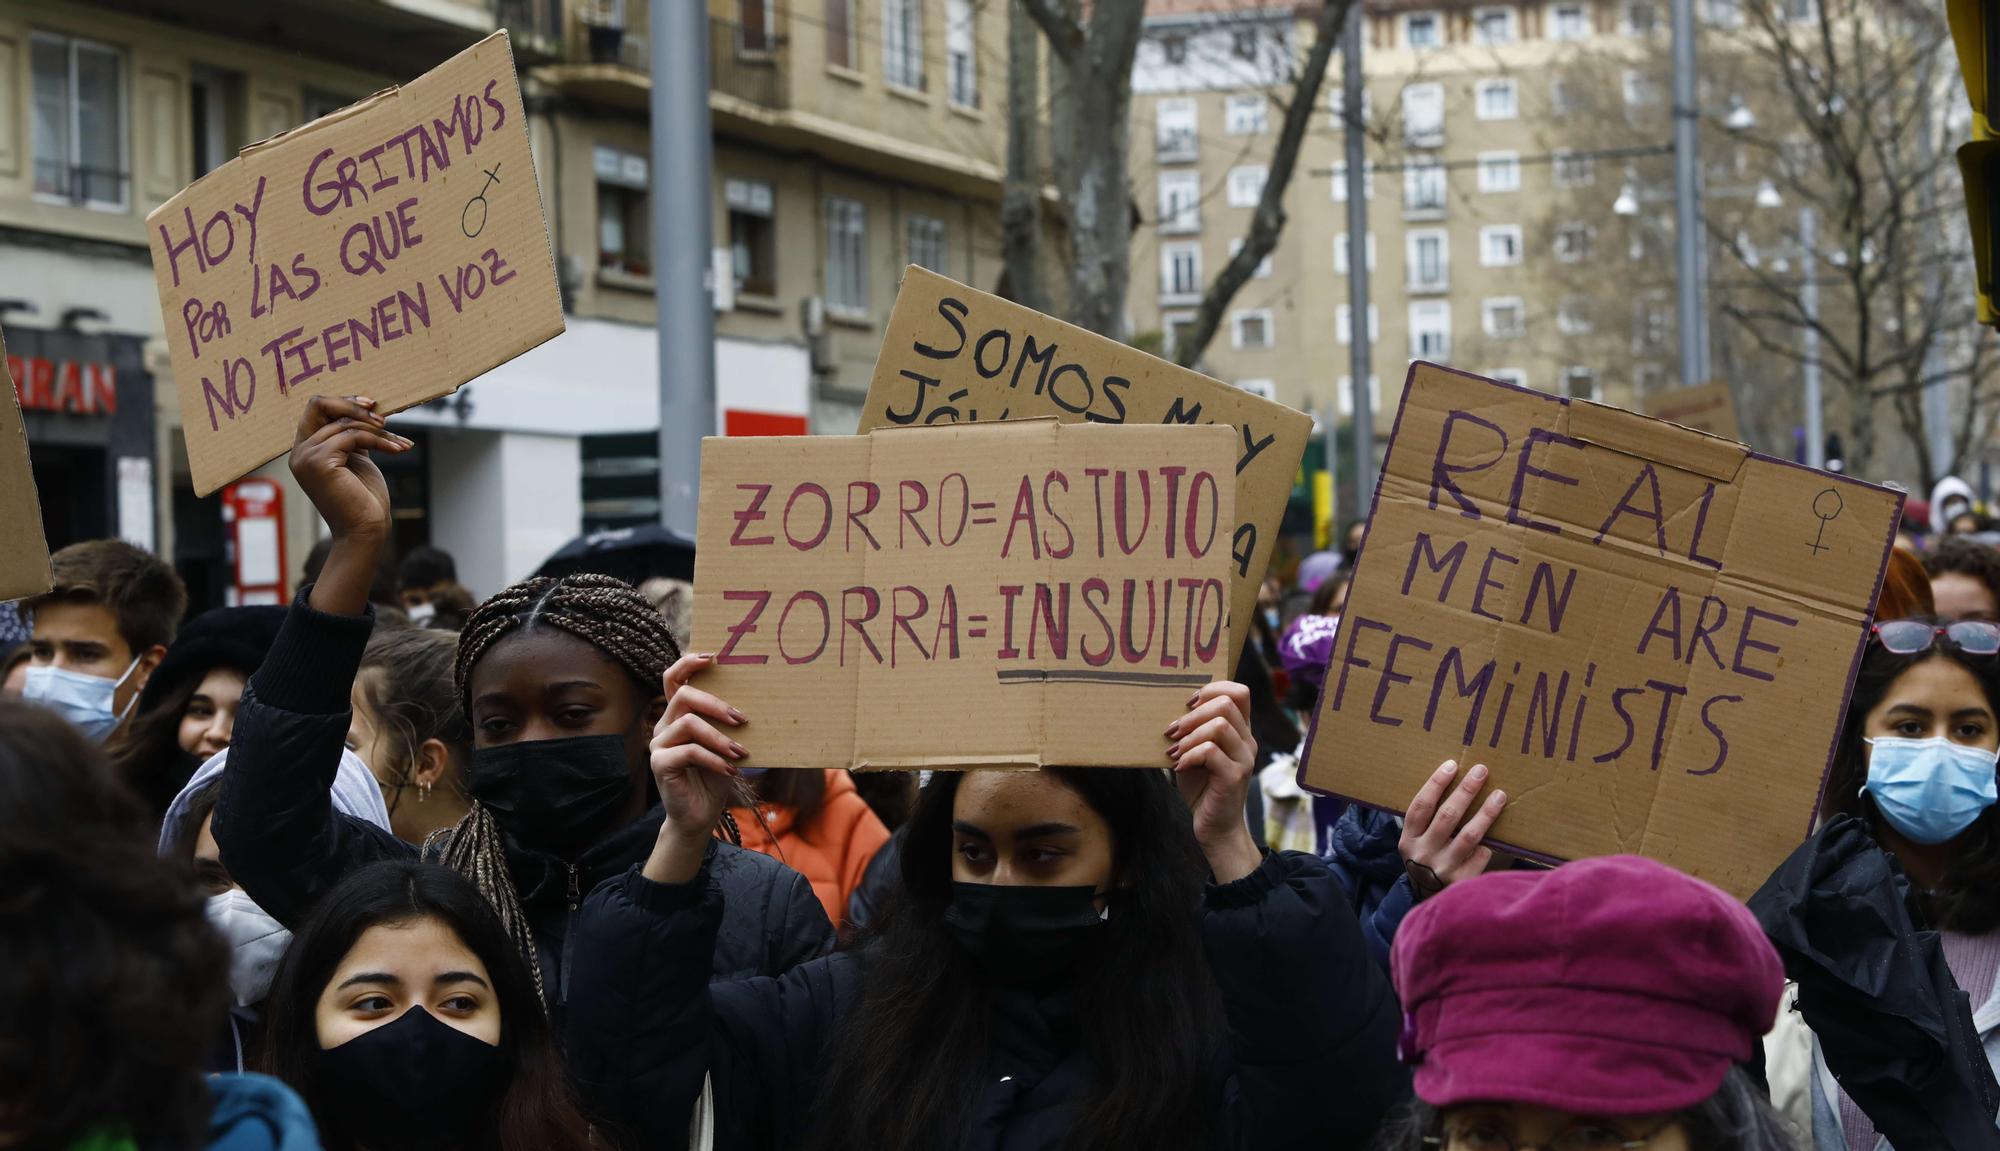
1010, 595
395, 248
954, 355
1647, 633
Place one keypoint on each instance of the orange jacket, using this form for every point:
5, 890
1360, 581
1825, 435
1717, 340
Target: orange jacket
832, 851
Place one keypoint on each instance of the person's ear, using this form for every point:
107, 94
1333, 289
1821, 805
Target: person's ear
148, 660
433, 760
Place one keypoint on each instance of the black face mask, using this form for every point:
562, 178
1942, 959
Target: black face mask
414, 1083
1021, 933
553, 795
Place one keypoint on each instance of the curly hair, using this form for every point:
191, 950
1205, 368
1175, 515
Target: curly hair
112, 982
1957, 555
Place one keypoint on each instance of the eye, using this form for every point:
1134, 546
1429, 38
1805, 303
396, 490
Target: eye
461, 1004
576, 715
1043, 854
1480, 1136
200, 711
373, 1003
1909, 729
1969, 732
495, 727
1590, 1137
974, 852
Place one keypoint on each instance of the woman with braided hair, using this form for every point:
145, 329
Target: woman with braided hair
561, 682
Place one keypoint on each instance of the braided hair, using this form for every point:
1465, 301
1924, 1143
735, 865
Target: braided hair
609, 615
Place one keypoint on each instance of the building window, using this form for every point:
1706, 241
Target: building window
1263, 271
1243, 44
1251, 329
622, 240
1503, 318
753, 236
1343, 324
1499, 171
1573, 316
1642, 17
1641, 91
215, 104
843, 41
1340, 181
1180, 272
1430, 330
1175, 327
1723, 13
1246, 184
1423, 115
1268, 389
1429, 259
1340, 264
1248, 115
1180, 202
961, 53
903, 43
846, 255
1423, 188
1652, 324
1174, 48
79, 126
1497, 100
1343, 395
1336, 102
1573, 242
1500, 245
1572, 170
756, 25
1493, 25
1422, 30
927, 244
1176, 129
1565, 96
1579, 383
1569, 22
1515, 376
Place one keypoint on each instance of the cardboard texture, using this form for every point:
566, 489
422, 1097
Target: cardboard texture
1006, 595
24, 561
1709, 408
1646, 633
395, 249
953, 354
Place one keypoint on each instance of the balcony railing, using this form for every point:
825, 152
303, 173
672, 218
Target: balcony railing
747, 63
534, 26
1178, 146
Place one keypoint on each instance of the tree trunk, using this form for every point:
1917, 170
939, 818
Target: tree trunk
1021, 202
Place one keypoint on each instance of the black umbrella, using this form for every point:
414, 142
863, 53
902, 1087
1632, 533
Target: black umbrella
634, 555
1894, 1027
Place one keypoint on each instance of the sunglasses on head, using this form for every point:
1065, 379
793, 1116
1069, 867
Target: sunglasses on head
1910, 637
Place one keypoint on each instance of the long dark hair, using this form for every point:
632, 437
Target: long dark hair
909, 1055
112, 983
1969, 898
537, 1109
147, 753
1738, 1117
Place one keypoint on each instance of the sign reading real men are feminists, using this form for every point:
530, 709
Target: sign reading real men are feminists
395, 248
954, 355
1647, 633
991, 595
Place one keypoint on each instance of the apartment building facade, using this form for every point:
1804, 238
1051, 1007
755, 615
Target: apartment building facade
1508, 144
850, 138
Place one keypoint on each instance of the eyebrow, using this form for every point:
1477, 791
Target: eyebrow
1032, 831
460, 977
370, 977
568, 684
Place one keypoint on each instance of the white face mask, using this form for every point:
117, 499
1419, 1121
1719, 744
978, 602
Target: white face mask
422, 614
82, 699
256, 943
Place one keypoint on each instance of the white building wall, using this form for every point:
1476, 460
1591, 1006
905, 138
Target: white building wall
501, 502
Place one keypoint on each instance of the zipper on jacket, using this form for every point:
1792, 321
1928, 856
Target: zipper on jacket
569, 933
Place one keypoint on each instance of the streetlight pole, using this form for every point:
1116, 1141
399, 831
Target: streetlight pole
1687, 200
682, 265
1809, 342
1357, 256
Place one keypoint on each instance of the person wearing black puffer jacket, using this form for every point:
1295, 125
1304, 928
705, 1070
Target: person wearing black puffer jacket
1072, 962
561, 683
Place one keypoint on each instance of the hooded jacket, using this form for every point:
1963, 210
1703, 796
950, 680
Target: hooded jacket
1306, 1059
285, 844
832, 849
1949, 488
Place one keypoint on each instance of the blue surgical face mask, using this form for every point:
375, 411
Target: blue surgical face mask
1929, 789
84, 700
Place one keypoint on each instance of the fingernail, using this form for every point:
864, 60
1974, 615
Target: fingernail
364, 401
704, 655
1172, 754
737, 716
1173, 729
1448, 768
1193, 698
1499, 797
1478, 771
736, 749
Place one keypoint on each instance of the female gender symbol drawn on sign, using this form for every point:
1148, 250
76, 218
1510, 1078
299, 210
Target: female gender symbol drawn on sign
1827, 513
465, 217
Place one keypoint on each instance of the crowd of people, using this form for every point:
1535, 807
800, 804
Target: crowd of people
394, 868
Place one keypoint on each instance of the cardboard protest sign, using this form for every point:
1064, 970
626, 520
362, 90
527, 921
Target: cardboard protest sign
395, 248
1646, 633
24, 561
988, 595
1708, 408
956, 355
